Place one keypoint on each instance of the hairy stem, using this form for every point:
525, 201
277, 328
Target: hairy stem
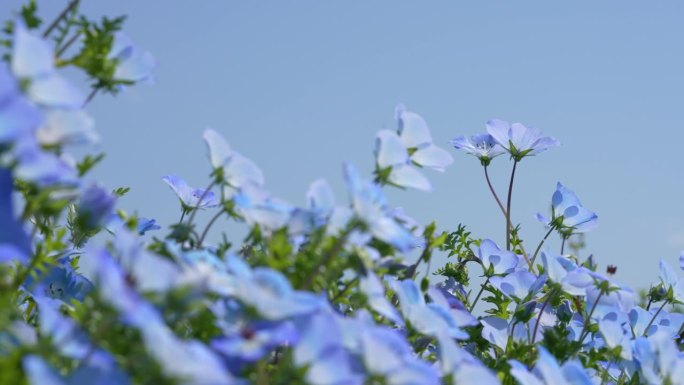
73, 4
508, 207
477, 298
536, 251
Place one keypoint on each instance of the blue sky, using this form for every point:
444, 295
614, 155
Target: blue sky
300, 86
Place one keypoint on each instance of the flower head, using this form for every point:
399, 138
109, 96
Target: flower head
567, 213
518, 140
191, 198
483, 146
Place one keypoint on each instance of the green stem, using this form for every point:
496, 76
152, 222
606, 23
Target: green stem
536, 251
206, 229
585, 331
655, 316
503, 212
563, 244
68, 44
73, 4
477, 298
541, 312
508, 207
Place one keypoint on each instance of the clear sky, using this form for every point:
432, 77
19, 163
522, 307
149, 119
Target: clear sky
300, 86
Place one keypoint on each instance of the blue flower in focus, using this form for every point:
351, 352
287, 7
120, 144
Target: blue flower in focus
496, 261
191, 198
518, 140
18, 116
95, 207
14, 242
519, 285
568, 215
483, 146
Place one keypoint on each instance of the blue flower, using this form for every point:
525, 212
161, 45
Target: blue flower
415, 135
191, 198
234, 168
519, 285
254, 340
567, 213
518, 140
547, 371
18, 116
59, 281
40, 167
133, 64
14, 242
483, 146
95, 207
370, 205
67, 126
146, 224
33, 61
496, 261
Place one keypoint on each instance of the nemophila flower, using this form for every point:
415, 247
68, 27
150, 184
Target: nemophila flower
372, 287
617, 300
191, 198
659, 360
390, 153
519, 285
269, 292
321, 350
671, 281
483, 146
146, 224
574, 280
14, 241
133, 65
66, 126
547, 371
253, 341
257, 206
518, 140
567, 213
387, 354
33, 61
495, 330
233, 168
663, 321
369, 204
145, 271
442, 296
18, 116
42, 168
615, 335
96, 205
59, 281
415, 135
494, 260
428, 318
461, 366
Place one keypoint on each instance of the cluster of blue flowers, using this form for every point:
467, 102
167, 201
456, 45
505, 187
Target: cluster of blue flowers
324, 294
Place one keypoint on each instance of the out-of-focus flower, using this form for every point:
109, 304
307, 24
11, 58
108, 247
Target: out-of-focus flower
59, 281
415, 134
133, 64
95, 207
146, 224
234, 168
518, 140
14, 242
18, 116
33, 61
483, 146
369, 204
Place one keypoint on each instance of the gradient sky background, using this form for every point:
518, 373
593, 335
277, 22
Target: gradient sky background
300, 86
